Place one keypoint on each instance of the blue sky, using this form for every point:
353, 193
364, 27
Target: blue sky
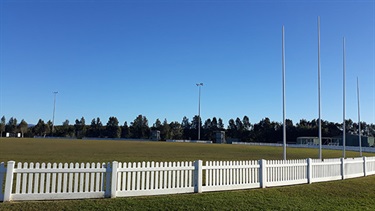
125, 58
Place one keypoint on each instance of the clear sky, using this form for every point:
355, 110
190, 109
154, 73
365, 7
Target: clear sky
125, 58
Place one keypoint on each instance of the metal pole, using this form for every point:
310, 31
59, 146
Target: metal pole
54, 108
319, 101
199, 110
283, 72
359, 122
344, 102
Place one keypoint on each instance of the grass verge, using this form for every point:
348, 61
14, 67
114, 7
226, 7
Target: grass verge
352, 194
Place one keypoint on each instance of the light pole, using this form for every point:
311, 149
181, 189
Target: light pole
199, 110
54, 108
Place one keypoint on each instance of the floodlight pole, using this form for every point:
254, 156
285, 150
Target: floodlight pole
54, 108
199, 110
319, 101
283, 72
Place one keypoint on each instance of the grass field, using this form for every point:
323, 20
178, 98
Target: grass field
352, 194
50, 150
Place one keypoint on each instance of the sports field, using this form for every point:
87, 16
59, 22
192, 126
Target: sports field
52, 150
352, 194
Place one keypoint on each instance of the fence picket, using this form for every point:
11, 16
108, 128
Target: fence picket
147, 185
36, 179
87, 178
65, 179
24, 178
76, 179
157, 186
59, 179
18, 179
70, 188
129, 178
152, 179
163, 175
169, 176
138, 179
120, 179
142, 181
92, 178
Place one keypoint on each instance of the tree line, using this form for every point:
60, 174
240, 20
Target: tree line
237, 129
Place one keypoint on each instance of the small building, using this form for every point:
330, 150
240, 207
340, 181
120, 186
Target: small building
308, 140
353, 140
220, 137
13, 135
155, 135
315, 141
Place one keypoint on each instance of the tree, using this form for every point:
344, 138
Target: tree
113, 129
176, 130
41, 128
349, 126
125, 131
139, 128
196, 122
231, 125
23, 127
185, 123
220, 124
266, 131
11, 127
157, 125
67, 129
214, 124
246, 123
231, 128
49, 126
187, 131
2, 126
80, 128
239, 125
95, 128
165, 130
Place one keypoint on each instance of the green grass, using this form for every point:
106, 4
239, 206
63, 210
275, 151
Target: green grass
352, 194
49, 150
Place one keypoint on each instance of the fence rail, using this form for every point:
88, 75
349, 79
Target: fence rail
29, 181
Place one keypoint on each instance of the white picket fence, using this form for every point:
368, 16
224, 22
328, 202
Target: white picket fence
153, 178
29, 181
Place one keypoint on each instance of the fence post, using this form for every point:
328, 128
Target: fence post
262, 173
198, 176
108, 172
309, 170
364, 166
342, 168
9, 181
114, 179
